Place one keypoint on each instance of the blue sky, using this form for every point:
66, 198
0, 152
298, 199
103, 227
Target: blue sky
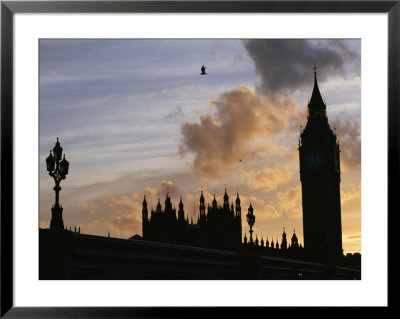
136, 116
101, 90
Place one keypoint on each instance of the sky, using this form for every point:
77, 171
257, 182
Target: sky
135, 117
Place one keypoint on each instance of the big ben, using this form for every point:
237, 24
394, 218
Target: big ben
319, 156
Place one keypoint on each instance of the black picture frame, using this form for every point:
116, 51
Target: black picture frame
9, 8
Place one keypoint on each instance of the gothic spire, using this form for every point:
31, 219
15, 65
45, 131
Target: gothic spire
226, 198
144, 201
316, 106
201, 197
159, 205
180, 204
237, 198
214, 202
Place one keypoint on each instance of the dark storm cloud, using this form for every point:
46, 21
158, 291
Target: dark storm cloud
287, 65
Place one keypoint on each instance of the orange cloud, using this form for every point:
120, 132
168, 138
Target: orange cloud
219, 141
290, 202
95, 227
126, 225
121, 205
349, 137
349, 195
90, 207
122, 214
44, 224
267, 212
269, 179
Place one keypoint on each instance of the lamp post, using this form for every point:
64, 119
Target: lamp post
251, 219
58, 169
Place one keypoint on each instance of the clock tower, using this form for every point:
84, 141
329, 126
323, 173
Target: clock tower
320, 182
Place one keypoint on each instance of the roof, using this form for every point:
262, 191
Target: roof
136, 236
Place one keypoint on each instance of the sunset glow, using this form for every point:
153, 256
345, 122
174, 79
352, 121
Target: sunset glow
135, 118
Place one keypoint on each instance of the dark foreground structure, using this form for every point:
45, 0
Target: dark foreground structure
70, 255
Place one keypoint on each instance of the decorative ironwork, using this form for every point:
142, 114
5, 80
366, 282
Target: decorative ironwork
251, 219
58, 169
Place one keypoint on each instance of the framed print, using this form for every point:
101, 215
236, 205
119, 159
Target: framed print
157, 155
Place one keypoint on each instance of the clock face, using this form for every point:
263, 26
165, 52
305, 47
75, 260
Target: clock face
314, 159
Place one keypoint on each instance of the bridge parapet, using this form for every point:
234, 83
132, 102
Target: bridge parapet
69, 255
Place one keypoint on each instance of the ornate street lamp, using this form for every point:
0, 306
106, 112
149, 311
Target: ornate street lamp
58, 169
251, 219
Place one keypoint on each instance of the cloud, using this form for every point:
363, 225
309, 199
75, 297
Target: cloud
121, 214
236, 119
267, 212
349, 137
95, 227
123, 205
286, 65
349, 195
220, 140
90, 207
290, 202
237, 59
127, 210
354, 237
126, 226
169, 187
269, 179
44, 224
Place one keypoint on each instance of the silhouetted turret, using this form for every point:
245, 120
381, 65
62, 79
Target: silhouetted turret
284, 242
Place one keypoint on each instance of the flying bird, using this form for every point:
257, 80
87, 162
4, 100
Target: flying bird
203, 70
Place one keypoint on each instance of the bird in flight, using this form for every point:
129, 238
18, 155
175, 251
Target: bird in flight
203, 70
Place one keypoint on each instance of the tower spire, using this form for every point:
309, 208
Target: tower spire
226, 199
214, 202
316, 106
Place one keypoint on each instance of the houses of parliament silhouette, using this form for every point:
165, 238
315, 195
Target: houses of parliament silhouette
212, 247
220, 227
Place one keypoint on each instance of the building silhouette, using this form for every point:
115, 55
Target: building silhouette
216, 226
319, 156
